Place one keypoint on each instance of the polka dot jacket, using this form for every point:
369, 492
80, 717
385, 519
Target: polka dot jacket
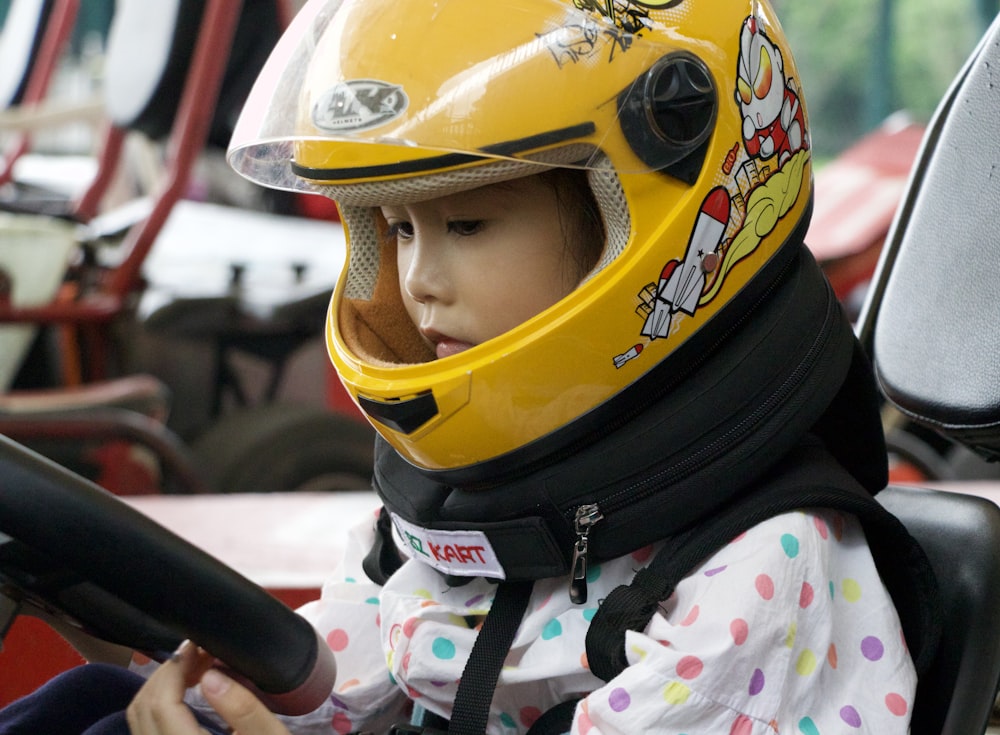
787, 629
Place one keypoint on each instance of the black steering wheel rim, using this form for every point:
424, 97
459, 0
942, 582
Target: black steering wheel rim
84, 555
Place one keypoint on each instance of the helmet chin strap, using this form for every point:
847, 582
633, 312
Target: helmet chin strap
726, 419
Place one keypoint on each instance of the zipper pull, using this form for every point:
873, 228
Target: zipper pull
586, 517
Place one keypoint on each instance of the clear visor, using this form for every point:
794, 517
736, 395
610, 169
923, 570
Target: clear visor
447, 83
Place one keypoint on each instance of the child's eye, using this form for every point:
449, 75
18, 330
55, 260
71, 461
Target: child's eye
400, 231
466, 227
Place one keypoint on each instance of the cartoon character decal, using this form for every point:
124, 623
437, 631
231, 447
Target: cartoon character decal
773, 120
763, 178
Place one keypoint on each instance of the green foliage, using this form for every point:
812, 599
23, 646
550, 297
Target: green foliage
854, 70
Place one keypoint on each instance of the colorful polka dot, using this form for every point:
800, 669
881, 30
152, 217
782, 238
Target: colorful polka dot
896, 704
872, 648
790, 544
850, 716
473, 601
372, 601
593, 573
851, 590
589, 614
831, 656
690, 667
619, 700
583, 722
342, 724
552, 629
838, 527
716, 570
808, 727
739, 630
639, 652
691, 617
507, 721
641, 555
409, 626
806, 663
806, 595
337, 640
765, 586
793, 631
529, 715
821, 528
676, 693
756, 683
742, 726
443, 649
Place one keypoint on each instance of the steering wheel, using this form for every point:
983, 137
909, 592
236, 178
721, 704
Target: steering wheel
84, 556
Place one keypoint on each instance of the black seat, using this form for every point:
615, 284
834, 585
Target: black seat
930, 325
961, 536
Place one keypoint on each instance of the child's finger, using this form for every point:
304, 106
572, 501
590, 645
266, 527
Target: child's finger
244, 713
158, 708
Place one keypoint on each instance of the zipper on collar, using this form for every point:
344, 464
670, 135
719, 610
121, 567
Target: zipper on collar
586, 516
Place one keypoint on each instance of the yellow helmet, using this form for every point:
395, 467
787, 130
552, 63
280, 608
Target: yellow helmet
688, 119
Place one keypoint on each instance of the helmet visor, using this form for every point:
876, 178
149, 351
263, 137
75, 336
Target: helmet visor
433, 84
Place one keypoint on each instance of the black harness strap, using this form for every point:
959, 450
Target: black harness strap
808, 477
816, 482
479, 679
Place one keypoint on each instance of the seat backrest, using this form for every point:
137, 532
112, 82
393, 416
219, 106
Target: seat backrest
20, 43
961, 535
930, 320
150, 52
930, 326
32, 40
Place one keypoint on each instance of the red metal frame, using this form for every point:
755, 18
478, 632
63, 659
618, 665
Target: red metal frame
92, 312
57, 33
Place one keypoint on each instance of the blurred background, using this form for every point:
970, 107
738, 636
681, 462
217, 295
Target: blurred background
863, 60
195, 345
161, 320
860, 60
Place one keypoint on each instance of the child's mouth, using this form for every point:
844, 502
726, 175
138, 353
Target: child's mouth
448, 347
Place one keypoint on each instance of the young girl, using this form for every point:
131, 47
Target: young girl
579, 313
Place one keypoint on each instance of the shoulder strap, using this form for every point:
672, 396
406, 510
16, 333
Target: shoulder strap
479, 678
383, 558
810, 479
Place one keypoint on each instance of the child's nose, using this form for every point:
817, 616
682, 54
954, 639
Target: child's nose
425, 277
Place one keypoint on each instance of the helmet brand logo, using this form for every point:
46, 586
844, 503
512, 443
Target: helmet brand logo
358, 104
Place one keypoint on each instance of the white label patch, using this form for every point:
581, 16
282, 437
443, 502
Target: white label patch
462, 553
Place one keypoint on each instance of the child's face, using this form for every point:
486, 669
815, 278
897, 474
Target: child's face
475, 264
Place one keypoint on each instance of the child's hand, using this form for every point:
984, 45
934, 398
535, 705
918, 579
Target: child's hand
159, 709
